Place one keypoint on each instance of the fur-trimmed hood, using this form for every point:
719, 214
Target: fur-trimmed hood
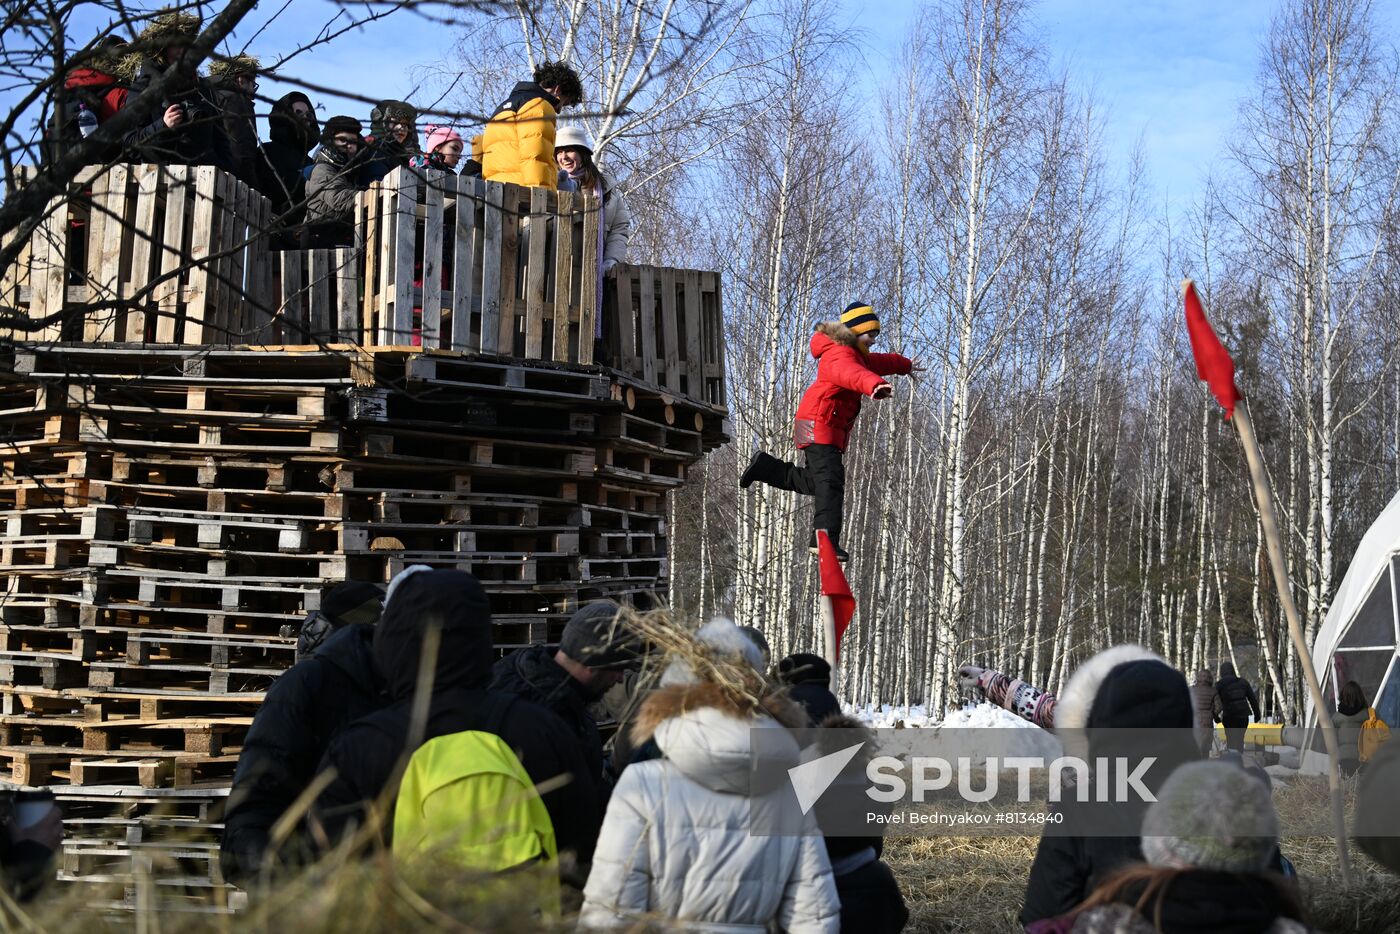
1119, 693
837, 332
1076, 701
703, 730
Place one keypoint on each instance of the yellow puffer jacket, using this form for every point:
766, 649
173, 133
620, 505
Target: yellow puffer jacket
518, 145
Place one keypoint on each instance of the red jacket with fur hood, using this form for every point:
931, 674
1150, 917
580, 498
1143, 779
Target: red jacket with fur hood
845, 372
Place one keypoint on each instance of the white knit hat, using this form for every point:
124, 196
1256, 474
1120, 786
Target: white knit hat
1211, 815
572, 136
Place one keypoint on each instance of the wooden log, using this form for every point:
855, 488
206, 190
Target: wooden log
536, 269
466, 285
563, 274
491, 302
171, 254
430, 328
588, 279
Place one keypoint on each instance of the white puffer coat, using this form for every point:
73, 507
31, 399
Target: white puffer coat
675, 843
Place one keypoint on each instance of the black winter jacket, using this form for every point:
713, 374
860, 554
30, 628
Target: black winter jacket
304, 710
240, 126
1198, 901
200, 140
533, 674
1237, 697
367, 753
334, 187
285, 157
1136, 695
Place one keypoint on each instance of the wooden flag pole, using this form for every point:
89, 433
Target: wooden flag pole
1264, 497
829, 636
827, 611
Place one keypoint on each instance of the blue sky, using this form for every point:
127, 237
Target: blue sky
1167, 73
1170, 73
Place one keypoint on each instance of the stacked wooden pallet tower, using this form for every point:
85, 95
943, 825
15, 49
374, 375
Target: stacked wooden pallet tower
206, 433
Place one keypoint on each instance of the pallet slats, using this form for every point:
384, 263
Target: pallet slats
467, 239
443, 262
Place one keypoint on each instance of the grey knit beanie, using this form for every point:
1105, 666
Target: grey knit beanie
1211, 815
595, 636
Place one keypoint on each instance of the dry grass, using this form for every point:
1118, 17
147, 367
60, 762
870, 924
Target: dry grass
952, 884
972, 885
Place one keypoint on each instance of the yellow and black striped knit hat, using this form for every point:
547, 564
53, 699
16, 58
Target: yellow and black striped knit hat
860, 318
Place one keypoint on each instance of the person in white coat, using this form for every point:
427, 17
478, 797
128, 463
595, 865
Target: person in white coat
676, 842
573, 152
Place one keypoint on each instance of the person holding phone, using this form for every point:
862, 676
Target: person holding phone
187, 127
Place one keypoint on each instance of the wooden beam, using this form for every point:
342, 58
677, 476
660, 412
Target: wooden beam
431, 327
540, 222
563, 274
491, 310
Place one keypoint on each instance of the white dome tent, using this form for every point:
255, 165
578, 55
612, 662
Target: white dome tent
1357, 641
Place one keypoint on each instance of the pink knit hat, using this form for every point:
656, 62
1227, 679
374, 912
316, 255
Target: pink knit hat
439, 135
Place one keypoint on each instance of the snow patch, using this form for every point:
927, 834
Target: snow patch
959, 733
886, 716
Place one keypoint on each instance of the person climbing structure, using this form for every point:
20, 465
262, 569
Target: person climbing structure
846, 370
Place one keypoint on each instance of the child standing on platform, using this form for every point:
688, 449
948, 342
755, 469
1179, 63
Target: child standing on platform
846, 370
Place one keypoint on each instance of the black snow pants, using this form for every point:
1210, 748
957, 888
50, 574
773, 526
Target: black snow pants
823, 478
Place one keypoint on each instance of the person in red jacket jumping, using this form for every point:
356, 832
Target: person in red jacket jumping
846, 370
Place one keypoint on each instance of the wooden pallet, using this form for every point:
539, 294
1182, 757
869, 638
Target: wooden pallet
135, 736
98, 705
175, 511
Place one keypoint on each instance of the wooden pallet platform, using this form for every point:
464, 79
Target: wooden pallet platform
173, 513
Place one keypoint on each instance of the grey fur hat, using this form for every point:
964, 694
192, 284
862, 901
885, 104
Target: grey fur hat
1211, 815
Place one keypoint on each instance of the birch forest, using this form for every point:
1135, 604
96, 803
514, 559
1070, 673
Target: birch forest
1056, 480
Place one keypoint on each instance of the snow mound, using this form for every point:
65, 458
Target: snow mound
961, 732
886, 716
986, 715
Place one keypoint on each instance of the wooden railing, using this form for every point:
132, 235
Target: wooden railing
146, 254
462, 264
666, 326
184, 255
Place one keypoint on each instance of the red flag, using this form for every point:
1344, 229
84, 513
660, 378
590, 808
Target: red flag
834, 585
1213, 363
